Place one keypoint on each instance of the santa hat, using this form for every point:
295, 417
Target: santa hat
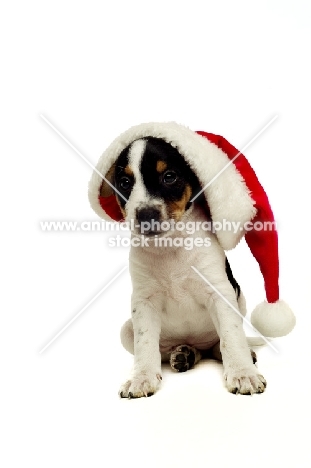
233, 194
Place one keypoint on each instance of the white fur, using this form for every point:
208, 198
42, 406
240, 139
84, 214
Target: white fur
171, 306
228, 196
139, 193
273, 320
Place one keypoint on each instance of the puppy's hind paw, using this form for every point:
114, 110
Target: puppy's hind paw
245, 382
184, 358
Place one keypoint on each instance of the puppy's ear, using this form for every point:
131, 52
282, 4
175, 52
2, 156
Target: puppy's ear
106, 190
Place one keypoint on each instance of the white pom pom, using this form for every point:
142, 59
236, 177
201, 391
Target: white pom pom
273, 320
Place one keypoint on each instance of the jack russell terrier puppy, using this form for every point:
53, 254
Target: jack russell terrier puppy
186, 303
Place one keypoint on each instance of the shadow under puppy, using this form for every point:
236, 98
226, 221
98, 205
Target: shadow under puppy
176, 315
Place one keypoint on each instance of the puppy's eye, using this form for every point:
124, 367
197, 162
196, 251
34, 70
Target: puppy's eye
169, 177
125, 183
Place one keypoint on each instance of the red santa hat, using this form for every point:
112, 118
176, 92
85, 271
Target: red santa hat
233, 194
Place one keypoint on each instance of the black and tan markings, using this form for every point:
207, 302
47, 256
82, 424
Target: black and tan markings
167, 176
128, 171
165, 173
106, 190
123, 178
161, 166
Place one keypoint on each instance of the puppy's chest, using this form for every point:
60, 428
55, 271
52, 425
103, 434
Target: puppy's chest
178, 294
177, 287
184, 305
175, 281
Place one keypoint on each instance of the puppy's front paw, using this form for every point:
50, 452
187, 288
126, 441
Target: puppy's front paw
143, 384
245, 382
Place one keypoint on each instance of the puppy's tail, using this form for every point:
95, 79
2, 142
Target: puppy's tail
257, 341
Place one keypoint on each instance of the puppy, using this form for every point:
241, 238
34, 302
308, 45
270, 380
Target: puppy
176, 315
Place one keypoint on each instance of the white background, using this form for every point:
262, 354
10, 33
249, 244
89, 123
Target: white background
94, 69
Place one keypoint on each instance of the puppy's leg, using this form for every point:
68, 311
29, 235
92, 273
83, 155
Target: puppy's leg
146, 374
215, 351
127, 340
184, 357
216, 354
240, 374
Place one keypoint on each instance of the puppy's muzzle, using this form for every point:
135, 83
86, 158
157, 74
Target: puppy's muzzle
149, 219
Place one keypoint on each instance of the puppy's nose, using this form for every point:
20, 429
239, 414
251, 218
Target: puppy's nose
147, 214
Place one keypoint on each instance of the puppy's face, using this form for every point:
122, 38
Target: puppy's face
157, 183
